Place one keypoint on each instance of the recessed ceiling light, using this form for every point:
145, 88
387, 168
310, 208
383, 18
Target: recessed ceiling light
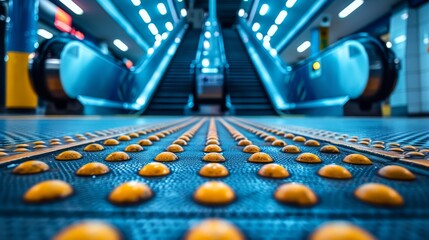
241, 12
264, 9
136, 2
205, 62
272, 30
72, 6
183, 12
164, 35
259, 36
350, 8
144, 15
44, 33
256, 26
120, 45
153, 29
161, 8
149, 51
304, 46
169, 26
290, 3
207, 34
281, 17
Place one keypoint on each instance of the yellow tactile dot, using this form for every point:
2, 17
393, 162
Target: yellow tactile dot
117, 157
31, 167
124, 138
312, 143
160, 135
56, 143
93, 147
133, 135
81, 138
299, 139
89, 230
409, 148
22, 145
142, 132
55, 140
270, 139
133, 148
111, 142
174, 148
289, 135
358, 159
353, 140
166, 157
278, 143
329, 149
214, 229
291, 149
396, 149
396, 172
154, 169
251, 149
48, 191
92, 169
364, 143
212, 148
366, 139
295, 194
424, 151
334, 171
263, 135
379, 194
260, 157
180, 142
2, 154
70, 140
212, 141
238, 138
145, 142
21, 149
39, 143
214, 193
153, 138
185, 138
244, 142
273, 170
212, 138
280, 133
214, 157
414, 154
308, 158
213, 170
39, 146
130, 192
340, 231
68, 155
393, 144
379, 146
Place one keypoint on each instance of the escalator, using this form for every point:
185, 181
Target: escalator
173, 91
248, 95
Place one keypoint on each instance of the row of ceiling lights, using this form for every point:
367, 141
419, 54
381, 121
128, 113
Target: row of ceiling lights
152, 27
273, 28
280, 18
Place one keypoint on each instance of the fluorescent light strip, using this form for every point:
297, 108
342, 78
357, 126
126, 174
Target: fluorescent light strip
120, 45
290, 3
281, 17
145, 16
161, 8
264, 9
153, 29
136, 2
72, 6
350, 8
256, 26
164, 35
169, 26
44, 33
241, 12
304, 46
272, 30
400, 39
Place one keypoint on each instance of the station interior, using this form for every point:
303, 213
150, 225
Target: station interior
214, 119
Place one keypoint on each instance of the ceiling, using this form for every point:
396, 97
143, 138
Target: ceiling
370, 11
226, 10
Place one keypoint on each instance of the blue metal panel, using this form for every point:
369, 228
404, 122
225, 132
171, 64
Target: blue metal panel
23, 25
